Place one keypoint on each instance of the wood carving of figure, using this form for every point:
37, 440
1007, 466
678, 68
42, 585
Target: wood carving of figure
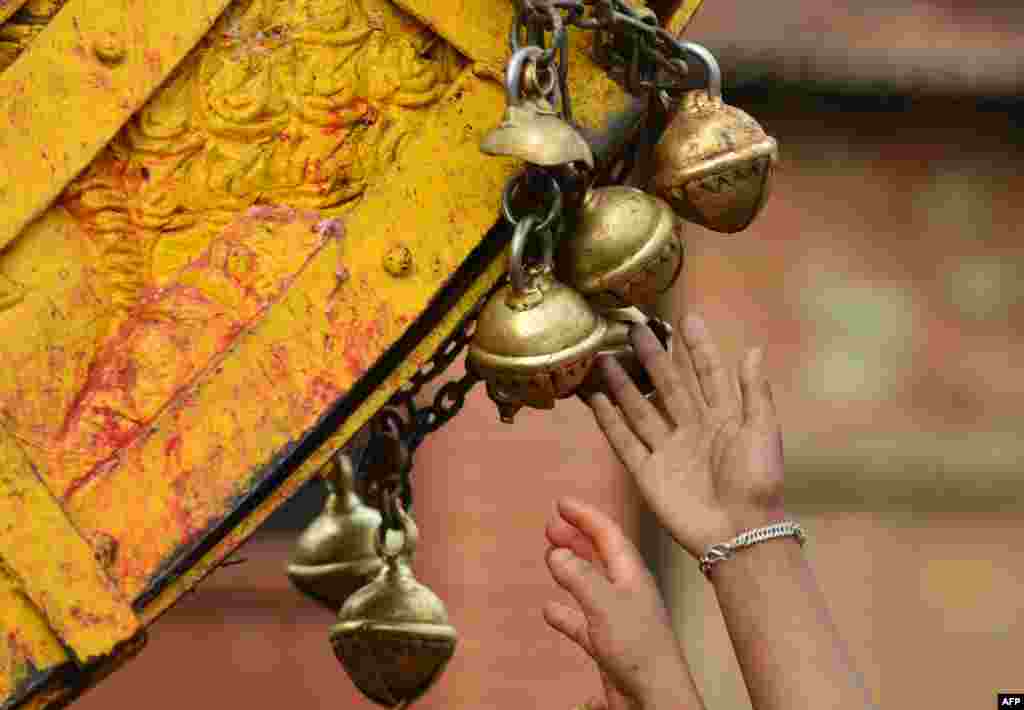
213, 197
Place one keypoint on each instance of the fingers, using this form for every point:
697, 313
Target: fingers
714, 379
627, 446
563, 534
667, 375
642, 416
758, 407
616, 551
569, 622
588, 586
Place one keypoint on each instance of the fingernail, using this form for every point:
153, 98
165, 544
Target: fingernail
756, 357
561, 554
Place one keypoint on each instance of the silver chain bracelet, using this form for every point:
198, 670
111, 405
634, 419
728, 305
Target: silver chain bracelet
723, 551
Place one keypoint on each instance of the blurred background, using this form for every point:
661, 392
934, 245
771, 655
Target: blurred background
884, 279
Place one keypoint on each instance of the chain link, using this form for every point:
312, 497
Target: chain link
402, 425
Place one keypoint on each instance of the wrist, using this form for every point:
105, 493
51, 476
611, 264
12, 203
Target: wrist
759, 563
730, 524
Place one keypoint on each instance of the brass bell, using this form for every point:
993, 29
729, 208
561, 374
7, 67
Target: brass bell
392, 636
627, 248
714, 163
536, 338
336, 554
626, 356
531, 128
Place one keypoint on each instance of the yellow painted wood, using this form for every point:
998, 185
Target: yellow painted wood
683, 16
54, 567
30, 644
94, 65
214, 279
9, 7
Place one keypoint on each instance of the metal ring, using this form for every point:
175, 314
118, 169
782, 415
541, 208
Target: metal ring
714, 72
532, 71
514, 72
553, 210
515, 254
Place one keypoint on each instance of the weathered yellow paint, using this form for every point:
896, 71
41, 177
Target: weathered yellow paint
53, 566
9, 7
683, 16
215, 279
29, 642
61, 103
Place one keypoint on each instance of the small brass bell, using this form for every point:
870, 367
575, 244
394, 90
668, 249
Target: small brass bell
626, 356
627, 249
536, 338
336, 554
393, 637
531, 129
714, 163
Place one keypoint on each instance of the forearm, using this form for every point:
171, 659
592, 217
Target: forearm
786, 643
673, 689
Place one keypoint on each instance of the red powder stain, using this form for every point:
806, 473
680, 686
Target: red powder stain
153, 60
172, 445
322, 392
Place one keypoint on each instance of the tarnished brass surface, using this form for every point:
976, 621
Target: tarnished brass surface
627, 248
536, 338
714, 164
393, 636
336, 554
531, 130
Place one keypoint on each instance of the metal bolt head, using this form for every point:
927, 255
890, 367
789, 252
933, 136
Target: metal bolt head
109, 49
398, 261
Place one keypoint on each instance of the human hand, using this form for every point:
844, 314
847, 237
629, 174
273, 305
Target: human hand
622, 622
708, 460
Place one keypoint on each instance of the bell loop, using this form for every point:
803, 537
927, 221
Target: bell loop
512, 188
516, 69
521, 284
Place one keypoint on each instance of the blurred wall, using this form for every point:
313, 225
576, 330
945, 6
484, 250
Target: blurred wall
884, 277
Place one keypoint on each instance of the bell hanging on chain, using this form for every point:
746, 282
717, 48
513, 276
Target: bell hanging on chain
336, 554
714, 163
627, 248
536, 338
392, 636
531, 128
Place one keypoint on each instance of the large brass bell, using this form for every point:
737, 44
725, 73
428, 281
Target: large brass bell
392, 636
536, 338
336, 554
531, 128
626, 356
714, 163
627, 249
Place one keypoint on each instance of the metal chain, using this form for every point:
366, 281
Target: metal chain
408, 431
654, 58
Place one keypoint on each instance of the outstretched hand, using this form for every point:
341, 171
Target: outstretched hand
622, 622
709, 461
